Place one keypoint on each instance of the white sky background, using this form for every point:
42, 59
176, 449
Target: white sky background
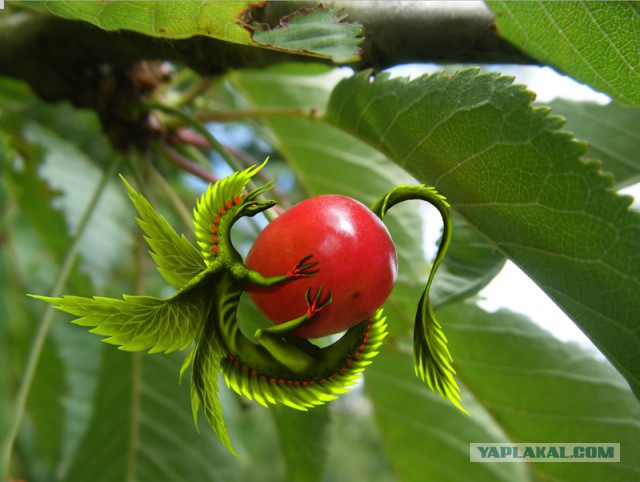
512, 289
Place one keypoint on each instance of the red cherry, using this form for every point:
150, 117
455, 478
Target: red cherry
356, 259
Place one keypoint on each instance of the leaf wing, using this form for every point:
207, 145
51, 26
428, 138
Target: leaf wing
178, 260
207, 357
139, 322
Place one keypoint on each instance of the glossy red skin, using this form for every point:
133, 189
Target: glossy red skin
356, 260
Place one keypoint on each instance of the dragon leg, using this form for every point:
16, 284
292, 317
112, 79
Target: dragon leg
271, 338
302, 269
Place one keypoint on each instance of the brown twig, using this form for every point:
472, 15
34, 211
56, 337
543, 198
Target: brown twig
193, 138
184, 163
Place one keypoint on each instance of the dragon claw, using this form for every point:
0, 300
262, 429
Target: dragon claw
315, 306
301, 269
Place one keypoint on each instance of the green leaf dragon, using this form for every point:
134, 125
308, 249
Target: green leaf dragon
275, 366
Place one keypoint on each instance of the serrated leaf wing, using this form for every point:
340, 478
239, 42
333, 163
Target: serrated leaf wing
138, 323
207, 357
178, 260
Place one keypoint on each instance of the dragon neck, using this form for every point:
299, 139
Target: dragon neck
221, 245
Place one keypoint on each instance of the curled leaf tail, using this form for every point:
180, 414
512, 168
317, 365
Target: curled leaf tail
431, 357
323, 382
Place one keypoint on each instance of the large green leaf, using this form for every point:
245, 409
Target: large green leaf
612, 133
142, 427
318, 32
425, 438
5, 276
327, 160
69, 171
507, 168
304, 442
594, 42
158, 19
470, 265
80, 359
521, 385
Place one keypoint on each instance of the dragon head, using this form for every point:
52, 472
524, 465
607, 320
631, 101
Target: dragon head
249, 205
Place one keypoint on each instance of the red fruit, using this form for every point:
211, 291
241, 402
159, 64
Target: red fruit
356, 261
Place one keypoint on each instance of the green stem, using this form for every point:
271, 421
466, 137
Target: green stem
206, 116
190, 94
43, 330
194, 153
168, 191
134, 422
136, 371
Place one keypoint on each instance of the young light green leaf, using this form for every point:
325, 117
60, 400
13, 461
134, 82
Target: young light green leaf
318, 31
510, 171
139, 322
177, 259
612, 133
594, 42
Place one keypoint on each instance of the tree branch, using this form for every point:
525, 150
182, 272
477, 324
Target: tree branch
100, 70
56, 56
400, 32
